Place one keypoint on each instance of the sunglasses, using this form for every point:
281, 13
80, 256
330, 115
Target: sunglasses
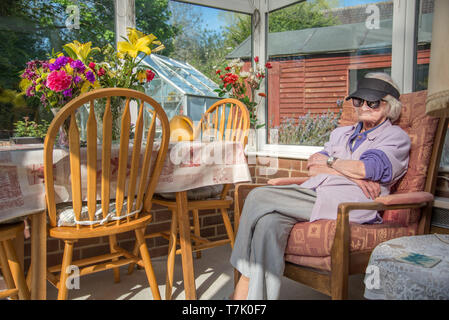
357, 102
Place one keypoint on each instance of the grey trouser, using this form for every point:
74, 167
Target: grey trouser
267, 218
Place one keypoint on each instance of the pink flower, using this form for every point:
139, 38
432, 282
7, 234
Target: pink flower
92, 65
256, 59
101, 72
58, 81
268, 65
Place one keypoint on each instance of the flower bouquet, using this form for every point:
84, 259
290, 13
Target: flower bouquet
58, 80
63, 77
236, 83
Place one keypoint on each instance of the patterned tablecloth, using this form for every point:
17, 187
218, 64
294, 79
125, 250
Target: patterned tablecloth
388, 276
188, 165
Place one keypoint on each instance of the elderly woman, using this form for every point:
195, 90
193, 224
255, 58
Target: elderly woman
359, 163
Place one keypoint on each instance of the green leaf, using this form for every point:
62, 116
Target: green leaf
70, 52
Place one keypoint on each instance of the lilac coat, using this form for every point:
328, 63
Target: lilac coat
332, 189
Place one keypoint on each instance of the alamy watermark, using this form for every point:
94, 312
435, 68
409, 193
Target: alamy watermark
373, 20
73, 19
73, 280
372, 277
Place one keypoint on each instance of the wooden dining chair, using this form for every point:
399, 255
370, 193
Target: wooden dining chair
10, 265
225, 120
126, 209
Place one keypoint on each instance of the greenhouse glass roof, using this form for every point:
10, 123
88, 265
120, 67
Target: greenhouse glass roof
182, 76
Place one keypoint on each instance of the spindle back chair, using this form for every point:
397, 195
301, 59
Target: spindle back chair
126, 209
225, 120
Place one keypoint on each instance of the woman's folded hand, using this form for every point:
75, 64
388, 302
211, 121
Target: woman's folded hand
371, 189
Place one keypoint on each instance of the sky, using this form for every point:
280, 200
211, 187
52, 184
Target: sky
212, 20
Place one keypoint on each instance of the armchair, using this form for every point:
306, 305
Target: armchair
322, 254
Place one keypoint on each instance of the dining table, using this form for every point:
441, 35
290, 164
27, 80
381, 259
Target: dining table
188, 165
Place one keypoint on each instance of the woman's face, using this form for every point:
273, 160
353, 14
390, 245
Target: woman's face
372, 117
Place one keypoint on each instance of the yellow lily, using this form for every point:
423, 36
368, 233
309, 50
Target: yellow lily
138, 42
81, 51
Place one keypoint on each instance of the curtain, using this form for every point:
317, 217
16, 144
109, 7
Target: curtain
437, 103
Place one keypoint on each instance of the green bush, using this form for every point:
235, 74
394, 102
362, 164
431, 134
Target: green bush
30, 128
308, 130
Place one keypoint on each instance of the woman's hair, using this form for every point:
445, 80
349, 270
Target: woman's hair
394, 110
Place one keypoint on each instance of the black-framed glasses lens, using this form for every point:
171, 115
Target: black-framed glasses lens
357, 102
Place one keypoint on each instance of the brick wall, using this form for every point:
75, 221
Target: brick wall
211, 227
211, 222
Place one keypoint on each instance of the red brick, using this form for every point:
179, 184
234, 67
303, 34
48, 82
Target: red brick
285, 163
157, 227
208, 232
212, 220
298, 174
297, 165
261, 180
85, 242
94, 251
158, 252
162, 215
279, 174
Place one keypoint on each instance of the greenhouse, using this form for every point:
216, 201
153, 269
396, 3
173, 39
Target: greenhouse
179, 87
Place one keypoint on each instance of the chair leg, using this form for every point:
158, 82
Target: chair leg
66, 261
132, 264
6, 271
228, 226
171, 256
147, 263
17, 271
112, 245
196, 228
339, 286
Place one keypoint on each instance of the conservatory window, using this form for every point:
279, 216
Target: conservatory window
314, 73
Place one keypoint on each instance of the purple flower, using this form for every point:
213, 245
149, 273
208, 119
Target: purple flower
30, 91
67, 93
78, 65
59, 63
77, 79
90, 76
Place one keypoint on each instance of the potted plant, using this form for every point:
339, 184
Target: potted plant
236, 83
242, 85
27, 132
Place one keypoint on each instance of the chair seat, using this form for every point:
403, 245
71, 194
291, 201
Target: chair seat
109, 228
310, 243
201, 193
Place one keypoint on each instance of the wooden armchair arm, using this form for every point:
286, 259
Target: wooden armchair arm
240, 193
286, 181
340, 246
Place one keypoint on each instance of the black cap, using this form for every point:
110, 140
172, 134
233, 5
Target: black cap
371, 89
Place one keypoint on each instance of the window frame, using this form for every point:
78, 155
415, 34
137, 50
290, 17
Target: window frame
403, 67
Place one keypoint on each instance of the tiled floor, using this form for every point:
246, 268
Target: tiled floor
213, 276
